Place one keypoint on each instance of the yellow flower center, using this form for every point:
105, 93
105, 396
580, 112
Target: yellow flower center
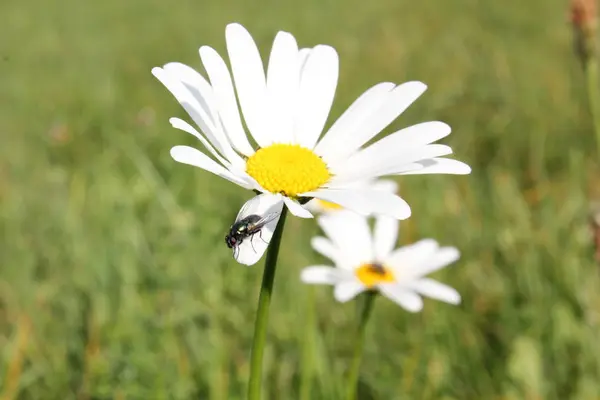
287, 169
372, 274
329, 205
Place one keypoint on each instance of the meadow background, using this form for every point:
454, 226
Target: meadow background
115, 281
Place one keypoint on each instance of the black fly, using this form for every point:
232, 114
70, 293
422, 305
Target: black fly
246, 228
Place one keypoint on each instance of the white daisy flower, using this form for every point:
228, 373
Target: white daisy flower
366, 260
285, 111
318, 206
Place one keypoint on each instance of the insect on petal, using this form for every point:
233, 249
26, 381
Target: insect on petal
250, 247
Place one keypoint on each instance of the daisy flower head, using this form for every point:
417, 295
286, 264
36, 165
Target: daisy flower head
318, 206
365, 259
285, 107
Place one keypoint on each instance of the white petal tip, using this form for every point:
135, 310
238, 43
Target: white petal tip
172, 64
460, 169
414, 88
403, 212
246, 263
248, 255
417, 85
318, 276
304, 276
400, 215
451, 253
286, 35
204, 50
176, 153
403, 217
451, 297
297, 209
324, 47
442, 126
235, 28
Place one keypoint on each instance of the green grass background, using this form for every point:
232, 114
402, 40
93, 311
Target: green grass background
115, 282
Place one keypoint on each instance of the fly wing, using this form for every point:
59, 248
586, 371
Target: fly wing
265, 220
245, 211
262, 205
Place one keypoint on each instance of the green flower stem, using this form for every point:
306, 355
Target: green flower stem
591, 75
365, 313
262, 314
306, 376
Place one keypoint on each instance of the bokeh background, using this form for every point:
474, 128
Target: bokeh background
115, 282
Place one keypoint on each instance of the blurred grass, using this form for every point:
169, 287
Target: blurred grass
115, 283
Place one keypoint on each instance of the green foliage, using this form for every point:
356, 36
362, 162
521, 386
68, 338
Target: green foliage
115, 281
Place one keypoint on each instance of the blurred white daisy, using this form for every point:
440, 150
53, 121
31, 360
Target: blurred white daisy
318, 206
366, 260
285, 111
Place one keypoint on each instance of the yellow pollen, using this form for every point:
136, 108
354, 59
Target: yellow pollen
329, 205
287, 169
372, 274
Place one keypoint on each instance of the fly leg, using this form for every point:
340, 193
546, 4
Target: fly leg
252, 244
261, 238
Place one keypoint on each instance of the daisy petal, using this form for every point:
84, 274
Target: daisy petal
401, 142
436, 290
365, 202
184, 126
385, 185
196, 158
302, 57
367, 164
334, 144
389, 107
249, 77
321, 275
252, 249
317, 89
191, 106
297, 209
220, 80
314, 206
441, 258
342, 260
400, 98
345, 291
324, 247
197, 86
350, 232
436, 166
413, 254
406, 299
384, 236
412, 137
417, 135
189, 86
282, 85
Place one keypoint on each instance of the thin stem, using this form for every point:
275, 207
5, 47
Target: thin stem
262, 313
591, 75
306, 378
367, 306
